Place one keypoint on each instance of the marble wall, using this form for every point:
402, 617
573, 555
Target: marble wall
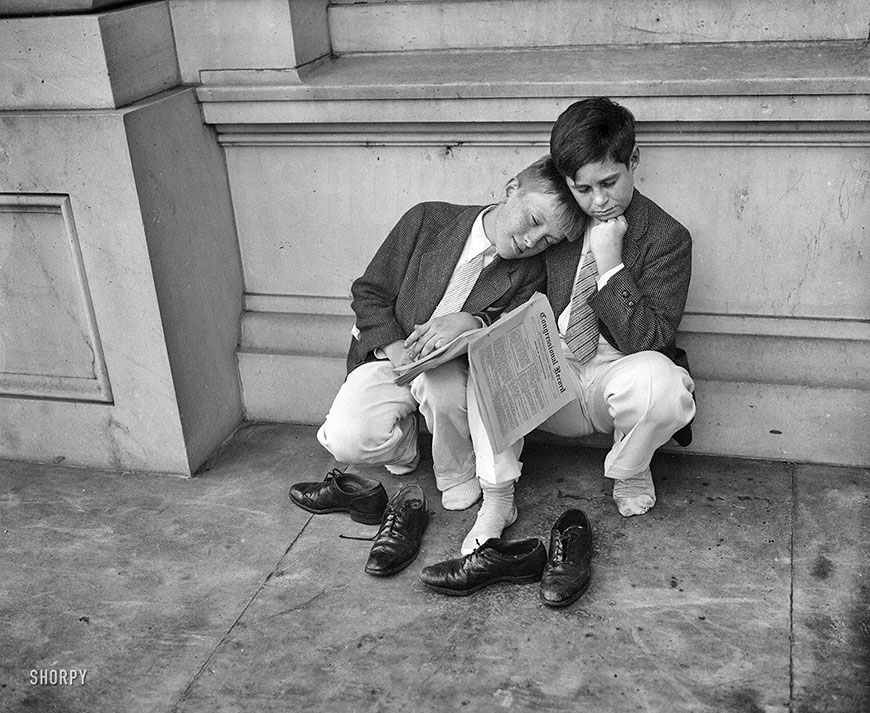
776, 321
188, 188
120, 278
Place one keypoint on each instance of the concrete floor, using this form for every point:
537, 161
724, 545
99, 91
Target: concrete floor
746, 589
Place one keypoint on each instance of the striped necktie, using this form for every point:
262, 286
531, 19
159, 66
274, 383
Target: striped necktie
461, 283
582, 333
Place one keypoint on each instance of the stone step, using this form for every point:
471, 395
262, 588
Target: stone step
427, 24
765, 81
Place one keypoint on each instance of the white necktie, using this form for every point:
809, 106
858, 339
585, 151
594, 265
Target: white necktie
582, 332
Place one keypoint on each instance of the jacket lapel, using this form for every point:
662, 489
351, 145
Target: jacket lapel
437, 263
562, 261
637, 217
493, 282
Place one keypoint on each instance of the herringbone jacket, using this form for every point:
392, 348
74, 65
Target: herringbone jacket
409, 274
641, 306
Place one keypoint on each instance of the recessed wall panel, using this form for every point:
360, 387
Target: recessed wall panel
49, 342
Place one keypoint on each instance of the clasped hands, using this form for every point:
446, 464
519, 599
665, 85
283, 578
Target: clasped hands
429, 336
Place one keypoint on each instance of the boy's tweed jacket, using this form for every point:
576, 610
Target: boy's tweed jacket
641, 306
408, 276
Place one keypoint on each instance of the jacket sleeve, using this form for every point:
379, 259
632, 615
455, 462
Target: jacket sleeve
642, 311
375, 292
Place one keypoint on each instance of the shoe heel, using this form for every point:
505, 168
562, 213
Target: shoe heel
366, 518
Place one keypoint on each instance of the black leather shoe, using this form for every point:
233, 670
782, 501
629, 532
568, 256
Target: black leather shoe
397, 543
365, 499
496, 560
569, 566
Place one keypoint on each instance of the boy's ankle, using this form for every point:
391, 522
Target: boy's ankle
461, 496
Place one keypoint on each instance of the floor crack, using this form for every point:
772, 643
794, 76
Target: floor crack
232, 626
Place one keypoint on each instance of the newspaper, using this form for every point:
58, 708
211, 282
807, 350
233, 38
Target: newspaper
454, 348
516, 367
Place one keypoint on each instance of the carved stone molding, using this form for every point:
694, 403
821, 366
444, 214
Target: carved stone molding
707, 134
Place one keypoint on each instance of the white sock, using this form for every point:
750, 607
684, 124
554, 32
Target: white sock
462, 496
634, 496
406, 468
497, 513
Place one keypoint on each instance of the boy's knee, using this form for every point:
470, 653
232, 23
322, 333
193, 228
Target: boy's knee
670, 391
673, 404
348, 442
661, 390
445, 386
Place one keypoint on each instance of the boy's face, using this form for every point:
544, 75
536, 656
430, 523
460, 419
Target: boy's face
603, 189
523, 224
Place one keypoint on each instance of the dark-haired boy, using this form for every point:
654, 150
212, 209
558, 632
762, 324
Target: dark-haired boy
617, 318
443, 269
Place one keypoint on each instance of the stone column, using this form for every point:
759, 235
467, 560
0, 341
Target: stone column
120, 275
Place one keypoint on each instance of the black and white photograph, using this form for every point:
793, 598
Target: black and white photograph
417, 356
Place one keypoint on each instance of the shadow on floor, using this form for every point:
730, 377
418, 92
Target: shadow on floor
745, 589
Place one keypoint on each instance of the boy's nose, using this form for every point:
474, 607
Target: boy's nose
533, 237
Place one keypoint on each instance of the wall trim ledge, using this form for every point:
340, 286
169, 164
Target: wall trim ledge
291, 306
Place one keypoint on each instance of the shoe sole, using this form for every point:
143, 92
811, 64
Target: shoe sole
565, 602
391, 571
527, 579
364, 518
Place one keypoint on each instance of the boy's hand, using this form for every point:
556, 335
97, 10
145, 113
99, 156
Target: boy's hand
397, 354
605, 240
437, 332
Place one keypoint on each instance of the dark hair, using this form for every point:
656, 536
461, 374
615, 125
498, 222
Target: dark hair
589, 131
542, 176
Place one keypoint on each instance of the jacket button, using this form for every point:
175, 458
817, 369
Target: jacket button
625, 293
630, 303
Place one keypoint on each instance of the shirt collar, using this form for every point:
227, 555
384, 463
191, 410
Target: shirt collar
477, 240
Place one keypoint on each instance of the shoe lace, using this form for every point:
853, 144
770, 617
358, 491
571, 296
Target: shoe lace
559, 546
333, 474
393, 518
475, 555
330, 476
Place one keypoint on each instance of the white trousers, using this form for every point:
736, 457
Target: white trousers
371, 419
642, 399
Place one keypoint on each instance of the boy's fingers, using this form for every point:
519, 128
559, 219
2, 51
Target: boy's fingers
415, 335
429, 343
418, 347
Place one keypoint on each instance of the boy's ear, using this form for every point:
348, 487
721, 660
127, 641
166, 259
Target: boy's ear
511, 186
635, 157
